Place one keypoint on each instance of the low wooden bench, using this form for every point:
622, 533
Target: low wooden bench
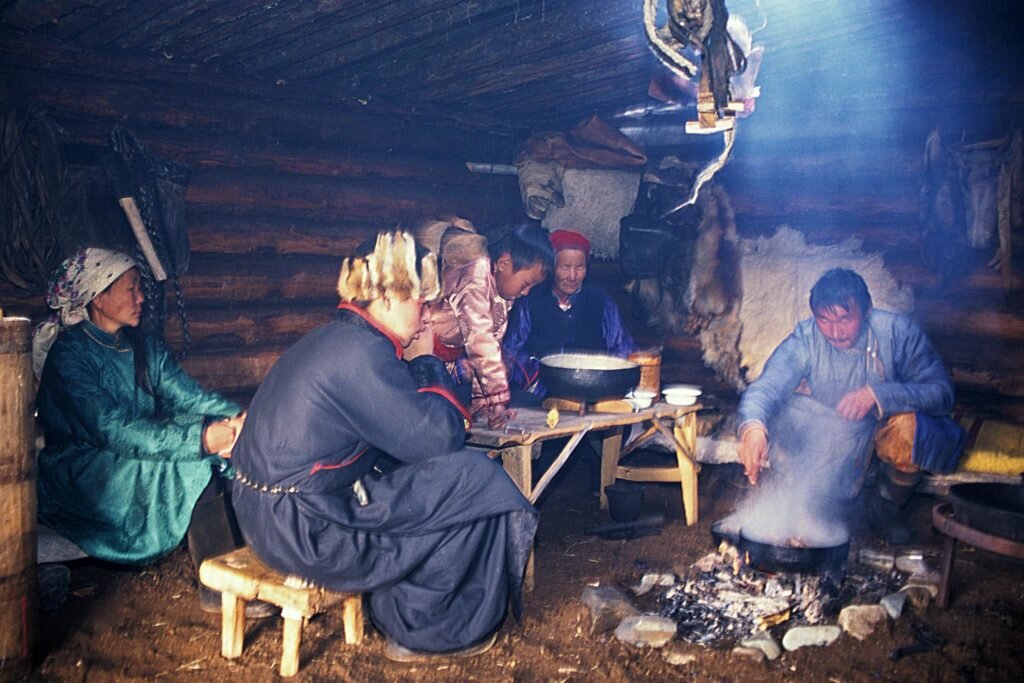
241, 577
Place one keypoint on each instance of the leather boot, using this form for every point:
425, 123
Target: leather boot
893, 491
213, 531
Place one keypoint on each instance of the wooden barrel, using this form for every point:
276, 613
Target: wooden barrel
649, 361
18, 599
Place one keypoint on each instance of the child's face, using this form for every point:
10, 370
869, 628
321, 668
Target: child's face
513, 283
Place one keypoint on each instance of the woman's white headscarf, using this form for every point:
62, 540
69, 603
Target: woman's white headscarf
74, 284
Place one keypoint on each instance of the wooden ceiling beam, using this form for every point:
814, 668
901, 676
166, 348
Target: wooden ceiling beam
563, 32
332, 49
124, 19
584, 63
33, 14
260, 28
616, 73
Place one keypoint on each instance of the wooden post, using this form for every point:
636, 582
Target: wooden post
352, 616
18, 595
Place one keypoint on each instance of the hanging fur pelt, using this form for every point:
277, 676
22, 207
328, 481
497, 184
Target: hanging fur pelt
742, 297
697, 283
775, 278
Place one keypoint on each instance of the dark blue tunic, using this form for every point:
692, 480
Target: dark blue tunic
538, 326
443, 542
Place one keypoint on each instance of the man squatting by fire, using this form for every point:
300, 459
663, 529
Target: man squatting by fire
875, 376
351, 470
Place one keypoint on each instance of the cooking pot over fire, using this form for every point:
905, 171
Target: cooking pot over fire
588, 377
796, 556
792, 555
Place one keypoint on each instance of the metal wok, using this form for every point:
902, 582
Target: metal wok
588, 377
785, 558
996, 509
792, 559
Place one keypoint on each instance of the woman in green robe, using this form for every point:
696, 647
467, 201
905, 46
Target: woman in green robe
132, 442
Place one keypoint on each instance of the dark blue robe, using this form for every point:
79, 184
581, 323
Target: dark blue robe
443, 542
538, 326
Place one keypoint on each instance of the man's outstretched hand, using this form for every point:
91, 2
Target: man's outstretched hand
754, 453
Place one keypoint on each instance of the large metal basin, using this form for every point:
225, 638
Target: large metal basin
588, 377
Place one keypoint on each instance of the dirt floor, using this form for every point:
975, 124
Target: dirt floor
144, 625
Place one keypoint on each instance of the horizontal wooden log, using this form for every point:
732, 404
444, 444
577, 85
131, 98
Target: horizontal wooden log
238, 327
232, 373
996, 325
319, 198
227, 234
228, 280
1006, 384
243, 151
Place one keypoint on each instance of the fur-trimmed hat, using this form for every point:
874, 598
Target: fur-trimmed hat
392, 270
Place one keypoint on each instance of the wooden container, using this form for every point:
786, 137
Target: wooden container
18, 599
649, 361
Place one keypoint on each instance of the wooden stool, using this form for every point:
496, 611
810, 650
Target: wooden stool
241, 577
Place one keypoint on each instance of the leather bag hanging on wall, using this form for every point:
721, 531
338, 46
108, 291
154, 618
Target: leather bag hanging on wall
645, 242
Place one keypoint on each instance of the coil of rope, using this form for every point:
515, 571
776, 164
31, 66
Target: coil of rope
32, 187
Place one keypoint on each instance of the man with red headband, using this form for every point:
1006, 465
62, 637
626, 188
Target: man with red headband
567, 316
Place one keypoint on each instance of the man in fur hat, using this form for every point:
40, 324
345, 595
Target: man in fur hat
352, 472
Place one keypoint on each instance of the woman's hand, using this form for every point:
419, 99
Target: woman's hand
219, 437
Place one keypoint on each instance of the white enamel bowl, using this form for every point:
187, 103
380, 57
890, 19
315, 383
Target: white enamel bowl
640, 399
681, 394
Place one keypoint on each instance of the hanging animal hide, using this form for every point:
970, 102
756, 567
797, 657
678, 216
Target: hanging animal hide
33, 189
743, 297
775, 278
970, 199
697, 282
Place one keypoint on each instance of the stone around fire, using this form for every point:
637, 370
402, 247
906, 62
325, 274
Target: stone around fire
804, 636
860, 621
608, 607
646, 631
764, 642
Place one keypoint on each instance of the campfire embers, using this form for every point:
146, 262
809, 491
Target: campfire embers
724, 599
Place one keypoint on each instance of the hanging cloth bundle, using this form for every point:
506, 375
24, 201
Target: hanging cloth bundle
151, 191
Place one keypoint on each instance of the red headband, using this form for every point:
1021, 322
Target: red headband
568, 239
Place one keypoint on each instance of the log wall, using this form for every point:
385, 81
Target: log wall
283, 185
280, 189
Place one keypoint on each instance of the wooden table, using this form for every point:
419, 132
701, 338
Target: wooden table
519, 444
